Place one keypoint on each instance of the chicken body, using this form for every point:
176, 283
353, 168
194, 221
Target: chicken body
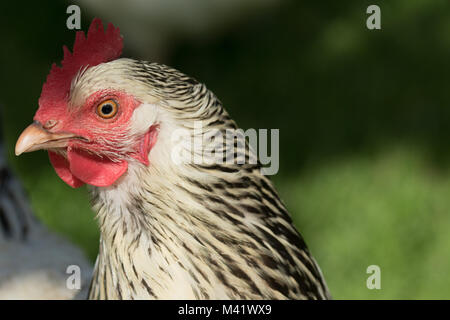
170, 229
33, 260
192, 231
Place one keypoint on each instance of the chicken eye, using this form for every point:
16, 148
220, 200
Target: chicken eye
107, 109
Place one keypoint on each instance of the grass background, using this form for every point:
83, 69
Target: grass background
363, 118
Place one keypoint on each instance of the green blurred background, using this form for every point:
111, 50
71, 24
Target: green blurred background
363, 116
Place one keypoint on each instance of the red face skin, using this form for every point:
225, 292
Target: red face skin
97, 157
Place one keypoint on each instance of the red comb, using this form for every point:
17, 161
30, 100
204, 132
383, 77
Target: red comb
98, 47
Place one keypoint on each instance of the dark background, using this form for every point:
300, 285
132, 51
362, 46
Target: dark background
363, 118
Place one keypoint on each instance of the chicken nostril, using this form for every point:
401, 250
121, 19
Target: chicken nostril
50, 124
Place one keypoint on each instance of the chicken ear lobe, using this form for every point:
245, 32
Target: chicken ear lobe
146, 144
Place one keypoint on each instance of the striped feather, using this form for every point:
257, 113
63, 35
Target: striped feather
206, 230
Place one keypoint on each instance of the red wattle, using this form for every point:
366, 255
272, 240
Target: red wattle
82, 167
93, 170
61, 166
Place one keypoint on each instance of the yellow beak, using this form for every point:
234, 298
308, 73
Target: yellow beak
35, 137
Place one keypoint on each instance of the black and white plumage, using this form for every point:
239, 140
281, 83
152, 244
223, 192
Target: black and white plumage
190, 231
33, 260
183, 214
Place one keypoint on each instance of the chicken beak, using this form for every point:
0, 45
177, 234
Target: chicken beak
35, 137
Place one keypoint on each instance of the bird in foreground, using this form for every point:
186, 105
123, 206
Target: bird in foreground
169, 229
33, 260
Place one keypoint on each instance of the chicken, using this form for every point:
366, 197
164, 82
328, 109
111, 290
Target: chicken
33, 261
171, 228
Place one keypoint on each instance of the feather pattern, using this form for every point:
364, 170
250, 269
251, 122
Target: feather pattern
210, 230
